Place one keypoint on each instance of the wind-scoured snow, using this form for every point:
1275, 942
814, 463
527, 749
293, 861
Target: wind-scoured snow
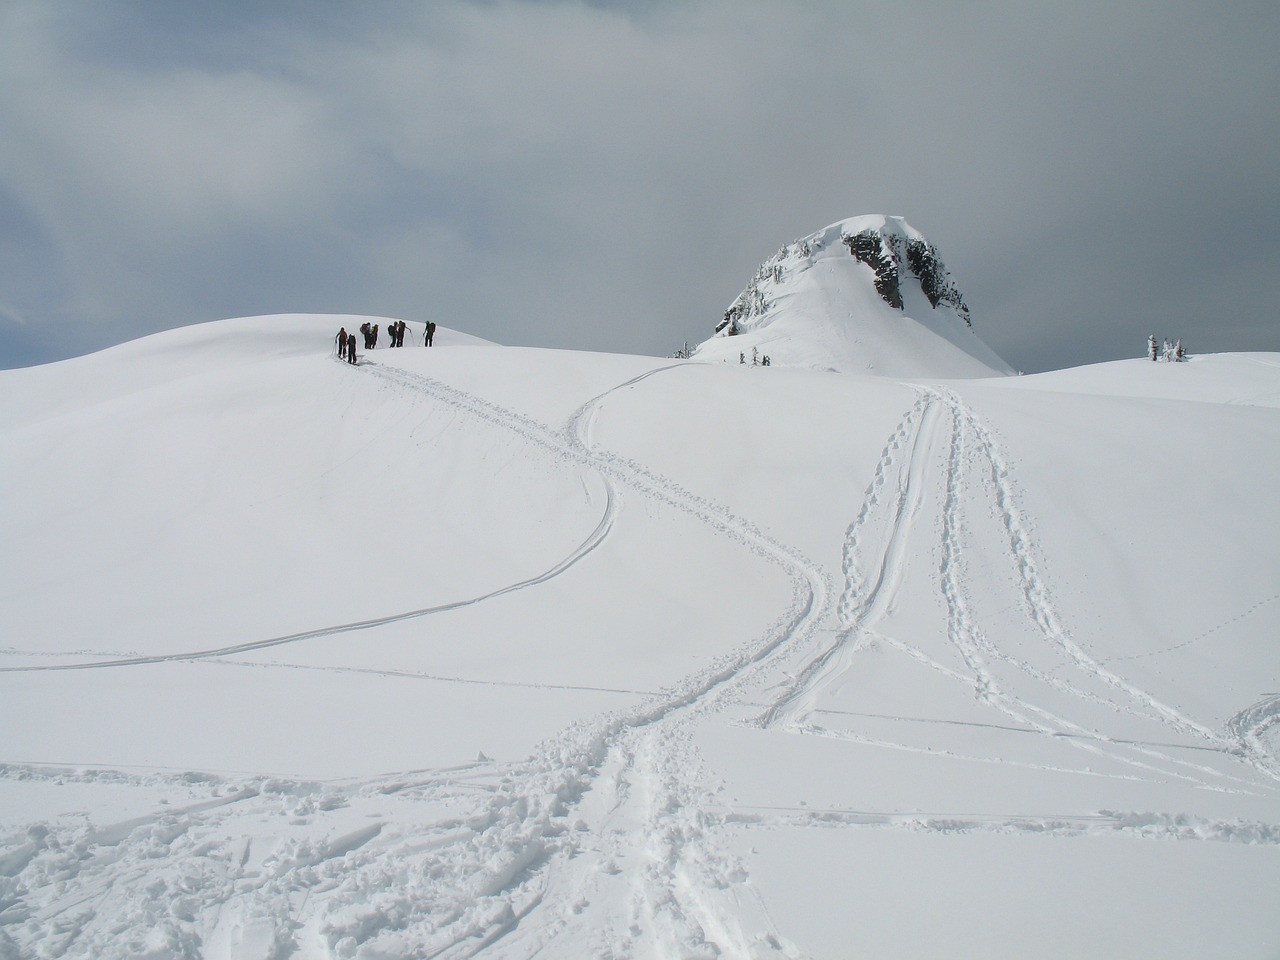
866, 295
481, 651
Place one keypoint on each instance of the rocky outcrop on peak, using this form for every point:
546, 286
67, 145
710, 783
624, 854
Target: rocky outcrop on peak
886, 252
869, 293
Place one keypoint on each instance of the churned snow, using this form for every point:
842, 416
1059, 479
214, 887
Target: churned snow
489, 651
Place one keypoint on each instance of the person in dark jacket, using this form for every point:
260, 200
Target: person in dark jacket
430, 333
342, 344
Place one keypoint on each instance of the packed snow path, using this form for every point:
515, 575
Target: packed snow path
617, 837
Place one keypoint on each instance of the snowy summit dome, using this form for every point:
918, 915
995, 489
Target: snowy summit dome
865, 295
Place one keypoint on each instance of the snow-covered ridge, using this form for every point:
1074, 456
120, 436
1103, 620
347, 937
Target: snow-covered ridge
867, 294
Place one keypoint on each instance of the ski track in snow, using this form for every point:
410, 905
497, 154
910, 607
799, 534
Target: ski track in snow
605, 835
1256, 731
434, 677
456, 887
642, 759
1203, 635
1147, 826
859, 605
592, 541
890, 510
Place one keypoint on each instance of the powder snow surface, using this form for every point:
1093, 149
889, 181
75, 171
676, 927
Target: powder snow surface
477, 651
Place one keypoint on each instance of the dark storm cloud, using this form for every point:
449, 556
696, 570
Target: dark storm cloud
607, 176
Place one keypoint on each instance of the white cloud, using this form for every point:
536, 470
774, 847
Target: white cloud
477, 154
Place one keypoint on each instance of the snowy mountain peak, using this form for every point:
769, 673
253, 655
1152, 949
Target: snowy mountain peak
868, 294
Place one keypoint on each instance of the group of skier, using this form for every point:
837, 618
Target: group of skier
397, 330
347, 341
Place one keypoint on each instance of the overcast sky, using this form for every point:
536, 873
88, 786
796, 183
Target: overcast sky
607, 176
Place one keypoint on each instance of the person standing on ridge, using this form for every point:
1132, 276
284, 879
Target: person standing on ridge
430, 333
342, 344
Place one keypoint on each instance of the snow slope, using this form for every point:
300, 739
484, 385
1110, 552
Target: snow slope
501, 652
865, 295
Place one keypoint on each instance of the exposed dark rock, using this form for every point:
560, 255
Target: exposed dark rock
923, 261
884, 254
868, 248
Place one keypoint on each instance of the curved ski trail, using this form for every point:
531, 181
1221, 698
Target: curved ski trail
473, 882
661, 804
502, 871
